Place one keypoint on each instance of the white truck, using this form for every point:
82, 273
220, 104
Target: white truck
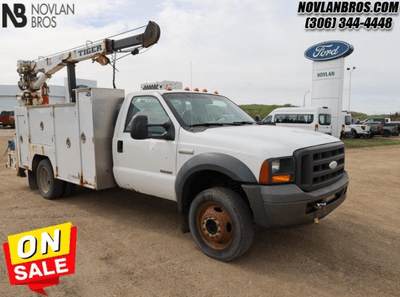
225, 171
353, 128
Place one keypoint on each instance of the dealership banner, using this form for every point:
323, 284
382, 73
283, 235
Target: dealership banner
38, 258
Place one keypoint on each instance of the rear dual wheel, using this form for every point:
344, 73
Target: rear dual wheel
221, 223
49, 186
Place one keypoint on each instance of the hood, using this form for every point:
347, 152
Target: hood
275, 140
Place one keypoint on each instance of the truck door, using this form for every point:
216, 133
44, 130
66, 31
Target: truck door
147, 166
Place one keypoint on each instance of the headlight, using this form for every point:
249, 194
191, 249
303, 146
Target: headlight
275, 166
274, 171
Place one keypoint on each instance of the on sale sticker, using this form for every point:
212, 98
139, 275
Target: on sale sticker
38, 258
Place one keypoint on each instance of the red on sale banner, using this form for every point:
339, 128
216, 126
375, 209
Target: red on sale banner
39, 257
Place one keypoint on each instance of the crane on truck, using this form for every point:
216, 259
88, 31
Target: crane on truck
34, 74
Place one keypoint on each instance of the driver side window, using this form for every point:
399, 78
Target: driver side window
151, 107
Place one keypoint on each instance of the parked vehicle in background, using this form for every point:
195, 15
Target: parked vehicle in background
7, 118
387, 128
370, 120
309, 118
353, 128
375, 128
345, 125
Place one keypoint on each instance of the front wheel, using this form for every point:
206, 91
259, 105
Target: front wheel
49, 187
221, 223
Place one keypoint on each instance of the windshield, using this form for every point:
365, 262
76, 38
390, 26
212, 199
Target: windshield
193, 109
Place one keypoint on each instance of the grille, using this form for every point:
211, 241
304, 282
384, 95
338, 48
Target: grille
312, 166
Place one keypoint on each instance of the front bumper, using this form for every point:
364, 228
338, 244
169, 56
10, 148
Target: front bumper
286, 205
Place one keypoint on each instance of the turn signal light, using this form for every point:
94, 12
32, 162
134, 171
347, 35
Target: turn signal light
281, 178
316, 127
264, 173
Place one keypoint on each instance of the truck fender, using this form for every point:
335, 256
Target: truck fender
225, 164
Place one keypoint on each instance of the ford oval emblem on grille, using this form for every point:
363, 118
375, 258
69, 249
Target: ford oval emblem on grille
333, 165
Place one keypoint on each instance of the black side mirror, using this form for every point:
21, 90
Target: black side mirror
139, 128
258, 119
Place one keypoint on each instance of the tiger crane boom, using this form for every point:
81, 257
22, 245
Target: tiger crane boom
34, 74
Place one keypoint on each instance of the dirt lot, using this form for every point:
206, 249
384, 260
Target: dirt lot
131, 245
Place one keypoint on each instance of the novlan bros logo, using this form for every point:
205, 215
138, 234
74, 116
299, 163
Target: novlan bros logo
17, 16
43, 15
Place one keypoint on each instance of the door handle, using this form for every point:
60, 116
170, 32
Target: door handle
120, 146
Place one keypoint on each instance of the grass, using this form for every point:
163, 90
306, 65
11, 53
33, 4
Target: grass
261, 110
354, 143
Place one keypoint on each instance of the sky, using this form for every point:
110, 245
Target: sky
250, 51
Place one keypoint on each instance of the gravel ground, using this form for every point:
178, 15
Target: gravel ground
131, 245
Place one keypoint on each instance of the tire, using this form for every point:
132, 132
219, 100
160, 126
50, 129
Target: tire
221, 224
386, 133
32, 181
49, 187
354, 134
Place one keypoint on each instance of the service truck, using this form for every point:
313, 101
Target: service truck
225, 171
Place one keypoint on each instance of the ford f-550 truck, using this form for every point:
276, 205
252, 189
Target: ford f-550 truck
225, 171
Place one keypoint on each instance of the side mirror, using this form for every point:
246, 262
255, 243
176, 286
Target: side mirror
139, 128
257, 118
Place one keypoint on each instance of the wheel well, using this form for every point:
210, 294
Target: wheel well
204, 180
35, 162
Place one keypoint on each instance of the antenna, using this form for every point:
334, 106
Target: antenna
191, 97
191, 77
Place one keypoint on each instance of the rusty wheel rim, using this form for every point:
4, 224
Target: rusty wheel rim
44, 180
215, 225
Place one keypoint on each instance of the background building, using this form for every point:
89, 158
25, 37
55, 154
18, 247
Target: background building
58, 94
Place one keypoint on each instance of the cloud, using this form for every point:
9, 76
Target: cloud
251, 51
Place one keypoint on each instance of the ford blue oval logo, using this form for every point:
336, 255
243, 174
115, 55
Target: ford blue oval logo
328, 50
